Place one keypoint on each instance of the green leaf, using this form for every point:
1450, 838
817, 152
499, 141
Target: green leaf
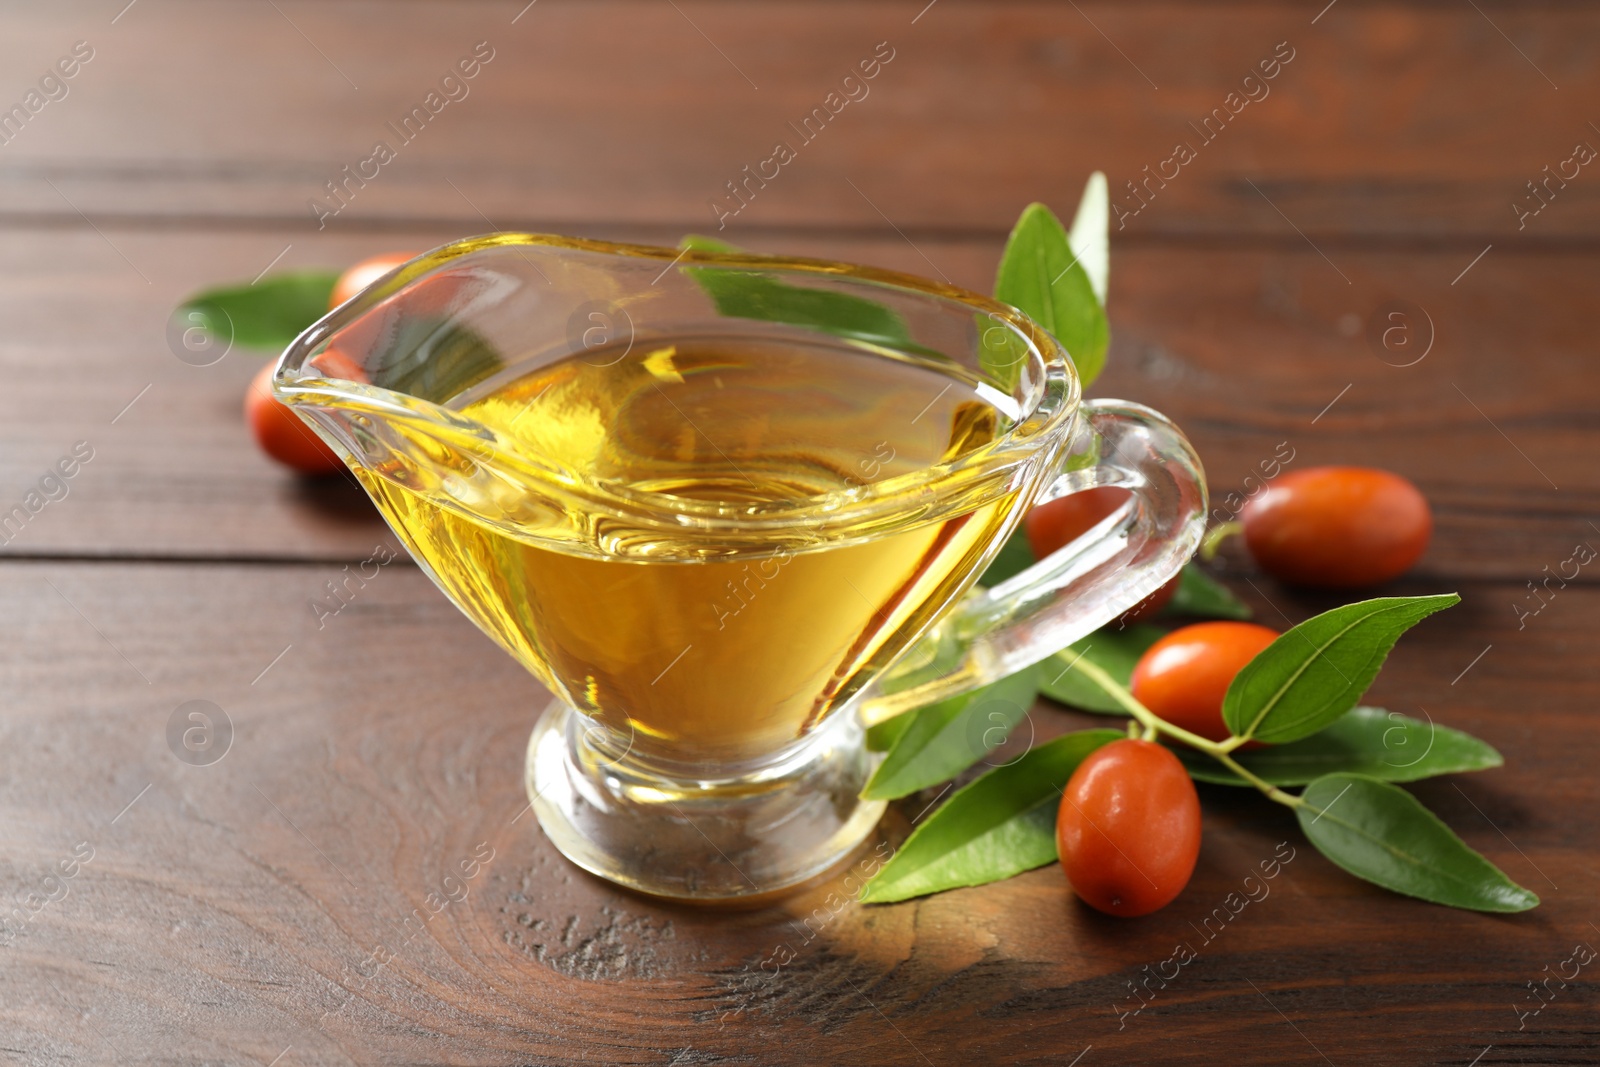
269, 314
1002, 351
434, 359
1000, 825
1381, 833
1013, 558
1090, 236
946, 738
697, 242
882, 737
1041, 277
1203, 597
1317, 671
745, 294
1114, 651
1370, 741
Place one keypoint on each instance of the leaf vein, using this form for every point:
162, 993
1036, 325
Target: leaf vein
1272, 702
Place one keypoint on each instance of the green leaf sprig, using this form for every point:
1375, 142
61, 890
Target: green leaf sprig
1044, 273
1059, 279
1299, 694
1303, 689
1000, 825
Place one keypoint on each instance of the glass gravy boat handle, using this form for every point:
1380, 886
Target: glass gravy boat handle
1081, 586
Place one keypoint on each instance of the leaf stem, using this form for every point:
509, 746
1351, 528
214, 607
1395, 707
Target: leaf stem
1213, 540
1272, 791
1148, 718
1153, 723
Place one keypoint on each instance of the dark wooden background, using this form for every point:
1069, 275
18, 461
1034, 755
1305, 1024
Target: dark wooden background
229, 912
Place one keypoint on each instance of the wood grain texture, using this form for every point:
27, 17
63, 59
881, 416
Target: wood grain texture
232, 910
1420, 119
301, 901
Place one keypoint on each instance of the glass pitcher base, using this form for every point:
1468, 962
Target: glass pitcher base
728, 840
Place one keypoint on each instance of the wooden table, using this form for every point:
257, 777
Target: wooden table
229, 912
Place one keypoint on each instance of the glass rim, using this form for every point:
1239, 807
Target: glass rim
1056, 397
